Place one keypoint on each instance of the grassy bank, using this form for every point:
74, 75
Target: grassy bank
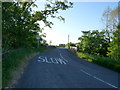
0, 73
11, 61
103, 61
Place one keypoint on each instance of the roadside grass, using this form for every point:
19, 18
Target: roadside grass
66, 46
0, 74
11, 61
100, 60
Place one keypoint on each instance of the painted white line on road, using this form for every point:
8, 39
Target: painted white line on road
41, 59
63, 57
51, 60
105, 82
54, 61
47, 60
99, 79
61, 61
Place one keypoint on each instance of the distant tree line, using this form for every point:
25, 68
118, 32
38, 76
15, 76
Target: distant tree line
20, 23
104, 42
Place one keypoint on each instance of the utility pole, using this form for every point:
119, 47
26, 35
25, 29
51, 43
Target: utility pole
50, 42
68, 41
38, 38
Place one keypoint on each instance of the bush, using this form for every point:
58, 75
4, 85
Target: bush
103, 61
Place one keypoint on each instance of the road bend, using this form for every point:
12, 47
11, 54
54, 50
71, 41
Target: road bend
59, 68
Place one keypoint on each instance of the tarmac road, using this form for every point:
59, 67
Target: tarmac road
59, 68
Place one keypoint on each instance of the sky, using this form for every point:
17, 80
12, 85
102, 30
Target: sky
83, 16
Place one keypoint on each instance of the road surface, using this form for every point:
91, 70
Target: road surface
59, 68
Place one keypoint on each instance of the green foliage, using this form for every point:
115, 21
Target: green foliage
11, 61
111, 18
115, 45
71, 44
66, 46
20, 27
103, 43
0, 74
17, 25
104, 61
20, 24
93, 42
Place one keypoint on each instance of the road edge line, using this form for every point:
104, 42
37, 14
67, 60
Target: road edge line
98, 79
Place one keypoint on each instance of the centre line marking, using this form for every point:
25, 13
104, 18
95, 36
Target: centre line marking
99, 79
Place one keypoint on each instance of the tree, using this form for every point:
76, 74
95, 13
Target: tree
20, 26
107, 21
114, 18
114, 48
71, 44
110, 19
93, 42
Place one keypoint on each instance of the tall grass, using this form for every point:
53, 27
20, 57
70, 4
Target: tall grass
11, 61
0, 73
103, 61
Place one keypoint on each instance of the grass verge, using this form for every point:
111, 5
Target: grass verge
103, 61
0, 73
11, 61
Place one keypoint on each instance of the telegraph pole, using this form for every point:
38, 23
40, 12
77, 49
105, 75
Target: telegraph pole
68, 41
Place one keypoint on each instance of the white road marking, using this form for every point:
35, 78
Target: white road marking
99, 79
51, 60
63, 57
54, 61
41, 59
47, 60
61, 61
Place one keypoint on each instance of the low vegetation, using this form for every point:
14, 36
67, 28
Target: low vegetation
101, 60
11, 61
0, 74
103, 46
